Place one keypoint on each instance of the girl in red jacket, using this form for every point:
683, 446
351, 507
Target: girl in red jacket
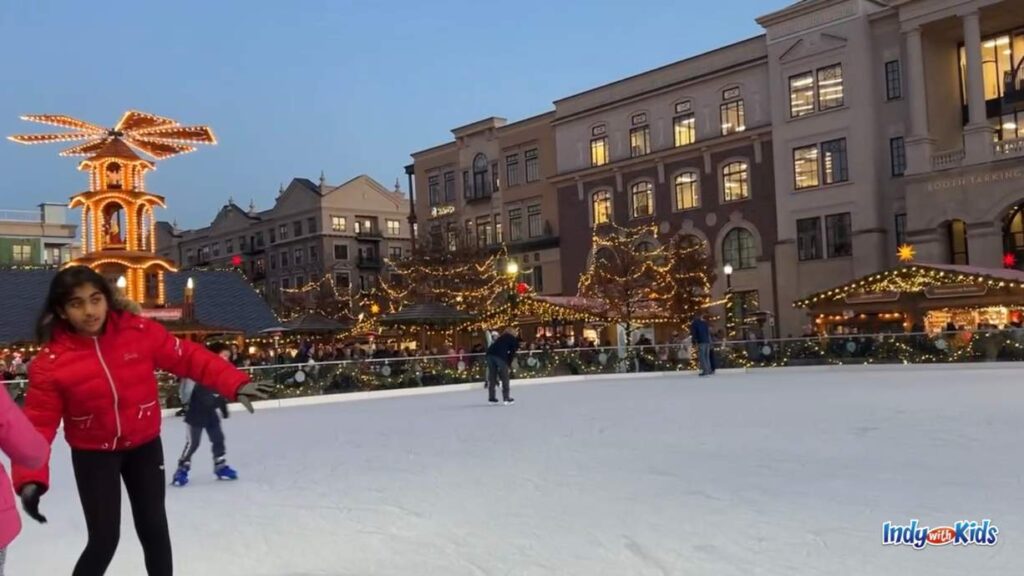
96, 373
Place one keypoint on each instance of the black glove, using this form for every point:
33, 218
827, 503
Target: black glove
30, 495
181, 411
254, 391
223, 407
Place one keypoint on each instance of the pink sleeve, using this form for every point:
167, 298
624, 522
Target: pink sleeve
18, 438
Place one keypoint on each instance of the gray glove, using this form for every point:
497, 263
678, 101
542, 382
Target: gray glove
254, 391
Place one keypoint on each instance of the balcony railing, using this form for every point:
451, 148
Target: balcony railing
369, 261
21, 216
474, 193
1009, 148
370, 233
948, 159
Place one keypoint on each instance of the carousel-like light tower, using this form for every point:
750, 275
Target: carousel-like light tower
118, 225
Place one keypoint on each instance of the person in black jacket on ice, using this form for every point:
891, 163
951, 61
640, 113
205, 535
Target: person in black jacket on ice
201, 407
499, 364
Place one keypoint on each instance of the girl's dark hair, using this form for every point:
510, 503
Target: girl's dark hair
62, 287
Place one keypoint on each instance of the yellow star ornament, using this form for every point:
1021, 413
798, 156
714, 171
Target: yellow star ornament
906, 253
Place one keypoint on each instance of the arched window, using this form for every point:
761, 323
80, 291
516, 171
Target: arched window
691, 241
1013, 236
736, 181
958, 242
738, 249
642, 199
687, 191
601, 207
480, 180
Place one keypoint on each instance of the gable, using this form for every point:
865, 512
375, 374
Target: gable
812, 45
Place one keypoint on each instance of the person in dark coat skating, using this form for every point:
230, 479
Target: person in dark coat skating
201, 407
499, 364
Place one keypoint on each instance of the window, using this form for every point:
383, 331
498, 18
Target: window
958, 243
286, 283
839, 235
273, 235
21, 253
733, 118
434, 190
338, 223
641, 197
830, 87
538, 279
297, 228
273, 261
480, 167
599, 151
229, 246
241, 243
801, 95
190, 256
738, 249
901, 229
638, 119
314, 253
898, 156
639, 141
449, 186
685, 128
736, 181
298, 256
601, 207
495, 180
893, 81
683, 107
342, 281
284, 259
300, 282
808, 238
311, 225
833, 159
259, 240
532, 165
534, 227
484, 232
512, 169
687, 191
282, 231
216, 249
341, 251
394, 227
395, 252
805, 167
515, 224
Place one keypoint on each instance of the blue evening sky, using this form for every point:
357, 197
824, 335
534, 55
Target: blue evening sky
293, 88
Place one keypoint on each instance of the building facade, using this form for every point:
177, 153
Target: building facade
490, 186
37, 237
314, 234
895, 123
686, 147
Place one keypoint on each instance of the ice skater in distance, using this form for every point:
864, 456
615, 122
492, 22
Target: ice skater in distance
499, 365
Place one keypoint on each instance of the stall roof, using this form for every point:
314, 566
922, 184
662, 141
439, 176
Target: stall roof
913, 278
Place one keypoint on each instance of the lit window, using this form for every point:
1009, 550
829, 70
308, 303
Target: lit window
21, 253
602, 207
805, 167
830, 87
687, 191
642, 199
599, 151
640, 141
801, 95
685, 129
736, 181
338, 223
394, 227
733, 119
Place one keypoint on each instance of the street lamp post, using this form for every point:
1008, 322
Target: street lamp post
728, 295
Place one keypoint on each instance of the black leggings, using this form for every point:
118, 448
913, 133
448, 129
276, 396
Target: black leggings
99, 475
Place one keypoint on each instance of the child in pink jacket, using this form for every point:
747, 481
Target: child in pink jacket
26, 447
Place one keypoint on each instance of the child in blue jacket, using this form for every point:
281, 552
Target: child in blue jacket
201, 407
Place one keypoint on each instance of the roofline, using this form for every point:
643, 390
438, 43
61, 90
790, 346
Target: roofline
453, 144
482, 121
534, 118
663, 67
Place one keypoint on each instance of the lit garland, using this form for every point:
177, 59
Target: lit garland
906, 279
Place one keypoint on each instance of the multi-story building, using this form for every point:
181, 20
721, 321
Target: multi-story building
37, 237
312, 234
686, 147
895, 122
490, 186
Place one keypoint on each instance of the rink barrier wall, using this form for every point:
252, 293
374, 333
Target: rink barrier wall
688, 375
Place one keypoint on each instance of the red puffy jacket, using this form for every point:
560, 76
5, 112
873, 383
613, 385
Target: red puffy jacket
104, 388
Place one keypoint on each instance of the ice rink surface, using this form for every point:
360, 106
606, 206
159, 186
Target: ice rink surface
785, 472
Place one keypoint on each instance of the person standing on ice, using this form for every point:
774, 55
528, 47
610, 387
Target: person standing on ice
25, 446
96, 374
499, 365
202, 405
700, 333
